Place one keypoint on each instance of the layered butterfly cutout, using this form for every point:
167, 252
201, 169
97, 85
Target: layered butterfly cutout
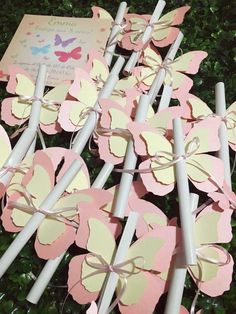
57, 230
149, 253
85, 90
175, 71
196, 109
214, 262
206, 172
163, 32
16, 110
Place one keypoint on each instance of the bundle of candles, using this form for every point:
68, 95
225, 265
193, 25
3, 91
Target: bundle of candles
135, 254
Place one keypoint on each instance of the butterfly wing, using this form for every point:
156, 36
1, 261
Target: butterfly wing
62, 55
41, 171
231, 125
101, 13
213, 226
67, 42
75, 53
49, 113
151, 252
216, 276
99, 235
57, 40
164, 33
5, 146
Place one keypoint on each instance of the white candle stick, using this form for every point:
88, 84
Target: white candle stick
51, 265
112, 278
84, 134
130, 162
26, 139
158, 81
176, 288
146, 36
183, 192
32, 225
117, 26
223, 153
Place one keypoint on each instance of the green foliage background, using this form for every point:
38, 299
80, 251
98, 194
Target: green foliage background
209, 27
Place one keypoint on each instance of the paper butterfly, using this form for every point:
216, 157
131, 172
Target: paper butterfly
183, 310
195, 108
206, 172
86, 88
16, 111
156, 248
175, 71
112, 145
54, 235
213, 274
40, 50
101, 13
163, 33
65, 56
60, 158
64, 43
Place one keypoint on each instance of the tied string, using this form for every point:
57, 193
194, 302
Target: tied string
157, 66
170, 157
100, 82
103, 267
114, 132
229, 119
140, 32
21, 168
83, 115
203, 258
45, 102
57, 214
120, 31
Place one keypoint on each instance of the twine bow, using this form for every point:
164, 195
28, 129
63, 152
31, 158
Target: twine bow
202, 257
46, 102
104, 267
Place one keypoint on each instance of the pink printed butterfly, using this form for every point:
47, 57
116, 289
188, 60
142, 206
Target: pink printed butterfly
64, 43
65, 56
156, 248
163, 33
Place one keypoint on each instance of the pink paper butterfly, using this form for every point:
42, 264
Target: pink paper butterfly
55, 234
163, 32
85, 290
